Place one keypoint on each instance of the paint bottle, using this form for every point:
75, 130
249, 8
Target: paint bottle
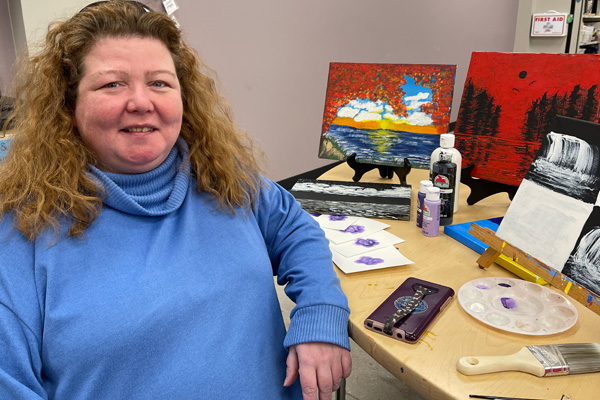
444, 177
431, 212
420, 199
447, 141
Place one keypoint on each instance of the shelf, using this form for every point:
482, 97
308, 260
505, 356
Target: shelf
588, 43
590, 17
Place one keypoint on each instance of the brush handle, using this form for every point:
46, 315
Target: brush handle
523, 361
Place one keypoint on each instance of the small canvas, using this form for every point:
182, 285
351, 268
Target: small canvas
373, 200
362, 227
385, 113
509, 103
366, 244
339, 222
384, 258
555, 214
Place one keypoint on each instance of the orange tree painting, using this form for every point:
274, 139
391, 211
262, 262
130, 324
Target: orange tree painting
385, 113
509, 103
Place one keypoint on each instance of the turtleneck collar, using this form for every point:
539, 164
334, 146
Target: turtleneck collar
153, 193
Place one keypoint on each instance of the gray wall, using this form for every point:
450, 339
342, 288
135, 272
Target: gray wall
272, 56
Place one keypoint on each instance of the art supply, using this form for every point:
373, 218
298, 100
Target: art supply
431, 212
447, 141
545, 360
420, 199
443, 176
517, 306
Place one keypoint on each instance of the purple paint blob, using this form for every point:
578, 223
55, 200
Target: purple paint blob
504, 285
482, 287
369, 260
354, 229
366, 242
314, 214
337, 218
509, 303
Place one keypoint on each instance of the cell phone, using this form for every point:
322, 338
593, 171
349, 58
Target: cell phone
411, 327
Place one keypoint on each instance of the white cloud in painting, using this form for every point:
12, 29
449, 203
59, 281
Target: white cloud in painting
366, 110
416, 101
390, 116
368, 116
417, 118
347, 112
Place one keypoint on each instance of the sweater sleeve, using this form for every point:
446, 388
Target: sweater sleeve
20, 319
302, 261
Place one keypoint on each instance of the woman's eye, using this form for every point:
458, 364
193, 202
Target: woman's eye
112, 85
159, 84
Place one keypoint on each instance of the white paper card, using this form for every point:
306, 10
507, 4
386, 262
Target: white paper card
361, 227
339, 222
170, 6
383, 258
366, 243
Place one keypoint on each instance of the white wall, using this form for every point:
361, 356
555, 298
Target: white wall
37, 14
7, 47
273, 56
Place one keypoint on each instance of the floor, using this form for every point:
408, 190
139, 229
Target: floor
369, 380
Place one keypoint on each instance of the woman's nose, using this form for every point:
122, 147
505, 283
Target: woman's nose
140, 100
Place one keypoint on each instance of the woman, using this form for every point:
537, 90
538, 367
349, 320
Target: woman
139, 240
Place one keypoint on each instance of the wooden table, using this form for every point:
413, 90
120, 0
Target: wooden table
429, 366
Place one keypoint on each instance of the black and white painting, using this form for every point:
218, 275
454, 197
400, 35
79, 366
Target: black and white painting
371, 200
583, 264
552, 215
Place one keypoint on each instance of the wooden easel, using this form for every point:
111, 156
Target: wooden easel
498, 246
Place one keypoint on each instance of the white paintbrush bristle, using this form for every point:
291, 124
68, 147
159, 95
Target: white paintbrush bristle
582, 358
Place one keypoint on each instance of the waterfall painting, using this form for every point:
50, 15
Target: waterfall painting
555, 214
510, 101
385, 113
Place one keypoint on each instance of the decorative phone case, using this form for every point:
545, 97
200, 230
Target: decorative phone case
409, 310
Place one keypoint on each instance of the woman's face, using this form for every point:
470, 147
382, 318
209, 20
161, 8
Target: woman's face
129, 107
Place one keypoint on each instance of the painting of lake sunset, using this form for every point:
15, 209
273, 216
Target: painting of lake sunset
385, 113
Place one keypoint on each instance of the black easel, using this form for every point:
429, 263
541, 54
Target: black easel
385, 171
480, 188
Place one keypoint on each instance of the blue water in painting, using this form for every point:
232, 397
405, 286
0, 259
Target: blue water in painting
383, 146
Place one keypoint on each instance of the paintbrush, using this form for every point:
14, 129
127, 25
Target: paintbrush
546, 360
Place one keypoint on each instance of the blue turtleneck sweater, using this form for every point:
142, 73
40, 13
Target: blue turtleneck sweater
166, 297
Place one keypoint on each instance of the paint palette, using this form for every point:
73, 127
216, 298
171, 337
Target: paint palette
517, 306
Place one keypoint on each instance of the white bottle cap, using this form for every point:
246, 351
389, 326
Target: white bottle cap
424, 185
433, 193
447, 140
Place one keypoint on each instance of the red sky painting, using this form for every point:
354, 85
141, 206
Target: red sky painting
509, 102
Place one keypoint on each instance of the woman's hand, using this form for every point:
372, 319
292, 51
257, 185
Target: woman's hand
322, 366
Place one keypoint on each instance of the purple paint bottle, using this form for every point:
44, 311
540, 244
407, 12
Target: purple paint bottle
431, 212
420, 199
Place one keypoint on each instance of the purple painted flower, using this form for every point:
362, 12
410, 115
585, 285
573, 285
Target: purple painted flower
314, 214
354, 229
369, 260
366, 242
337, 218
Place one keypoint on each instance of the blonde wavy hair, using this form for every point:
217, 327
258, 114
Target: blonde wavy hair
43, 177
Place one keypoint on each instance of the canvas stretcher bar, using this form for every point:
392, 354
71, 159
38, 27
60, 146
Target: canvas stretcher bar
498, 246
